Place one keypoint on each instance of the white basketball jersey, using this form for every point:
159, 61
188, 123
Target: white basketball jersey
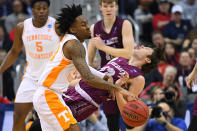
59, 71
40, 44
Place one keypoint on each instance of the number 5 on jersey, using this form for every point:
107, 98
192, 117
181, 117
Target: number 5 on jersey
39, 46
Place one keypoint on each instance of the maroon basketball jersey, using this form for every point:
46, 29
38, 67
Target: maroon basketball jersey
80, 107
113, 38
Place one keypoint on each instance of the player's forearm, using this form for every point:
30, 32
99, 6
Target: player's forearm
195, 68
9, 60
118, 52
136, 90
100, 83
120, 101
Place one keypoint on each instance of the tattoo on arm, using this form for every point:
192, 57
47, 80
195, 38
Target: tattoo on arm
77, 53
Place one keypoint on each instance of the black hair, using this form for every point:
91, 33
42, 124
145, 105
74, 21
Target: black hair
171, 104
67, 17
156, 57
33, 2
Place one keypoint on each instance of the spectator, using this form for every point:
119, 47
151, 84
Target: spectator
27, 8
5, 10
168, 78
189, 10
20, 18
166, 121
11, 20
162, 18
174, 95
158, 39
176, 31
192, 55
194, 46
96, 122
156, 95
172, 57
143, 17
184, 69
8, 82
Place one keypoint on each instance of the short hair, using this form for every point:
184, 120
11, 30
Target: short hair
33, 2
108, 1
171, 104
170, 68
157, 55
67, 17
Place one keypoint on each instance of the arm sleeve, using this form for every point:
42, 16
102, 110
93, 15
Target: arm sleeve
96, 73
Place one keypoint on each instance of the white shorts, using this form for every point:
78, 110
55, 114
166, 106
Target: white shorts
54, 114
26, 90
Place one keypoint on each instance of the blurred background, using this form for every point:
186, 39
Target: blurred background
153, 24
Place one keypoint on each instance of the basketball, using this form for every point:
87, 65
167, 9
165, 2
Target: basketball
135, 113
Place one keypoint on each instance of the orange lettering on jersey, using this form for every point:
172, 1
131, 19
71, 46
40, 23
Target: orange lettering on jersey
40, 56
32, 37
36, 37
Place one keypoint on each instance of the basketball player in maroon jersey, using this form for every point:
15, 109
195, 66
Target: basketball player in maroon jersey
84, 99
113, 37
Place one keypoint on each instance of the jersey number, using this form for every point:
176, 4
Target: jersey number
39, 46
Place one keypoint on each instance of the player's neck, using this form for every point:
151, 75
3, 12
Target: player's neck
38, 24
135, 62
108, 23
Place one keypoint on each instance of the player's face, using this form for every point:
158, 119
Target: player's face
40, 11
82, 28
144, 51
108, 9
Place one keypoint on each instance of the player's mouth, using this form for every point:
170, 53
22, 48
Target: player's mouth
137, 47
42, 17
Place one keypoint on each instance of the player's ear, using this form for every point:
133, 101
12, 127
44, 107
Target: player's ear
72, 30
147, 60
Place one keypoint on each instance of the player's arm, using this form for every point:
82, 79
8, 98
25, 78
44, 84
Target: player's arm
127, 40
15, 50
135, 86
91, 48
191, 78
75, 51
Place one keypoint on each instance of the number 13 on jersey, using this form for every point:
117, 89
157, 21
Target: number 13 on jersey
39, 47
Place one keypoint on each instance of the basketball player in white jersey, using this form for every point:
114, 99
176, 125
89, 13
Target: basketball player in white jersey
39, 37
54, 114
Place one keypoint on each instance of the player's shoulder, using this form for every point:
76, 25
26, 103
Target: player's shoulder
139, 79
52, 19
20, 26
126, 23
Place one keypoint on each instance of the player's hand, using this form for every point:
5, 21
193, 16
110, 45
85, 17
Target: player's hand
123, 78
97, 42
190, 80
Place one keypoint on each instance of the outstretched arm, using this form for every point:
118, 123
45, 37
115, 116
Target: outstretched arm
190, 80
15, 50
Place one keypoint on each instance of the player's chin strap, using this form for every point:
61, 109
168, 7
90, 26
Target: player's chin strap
85, 95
